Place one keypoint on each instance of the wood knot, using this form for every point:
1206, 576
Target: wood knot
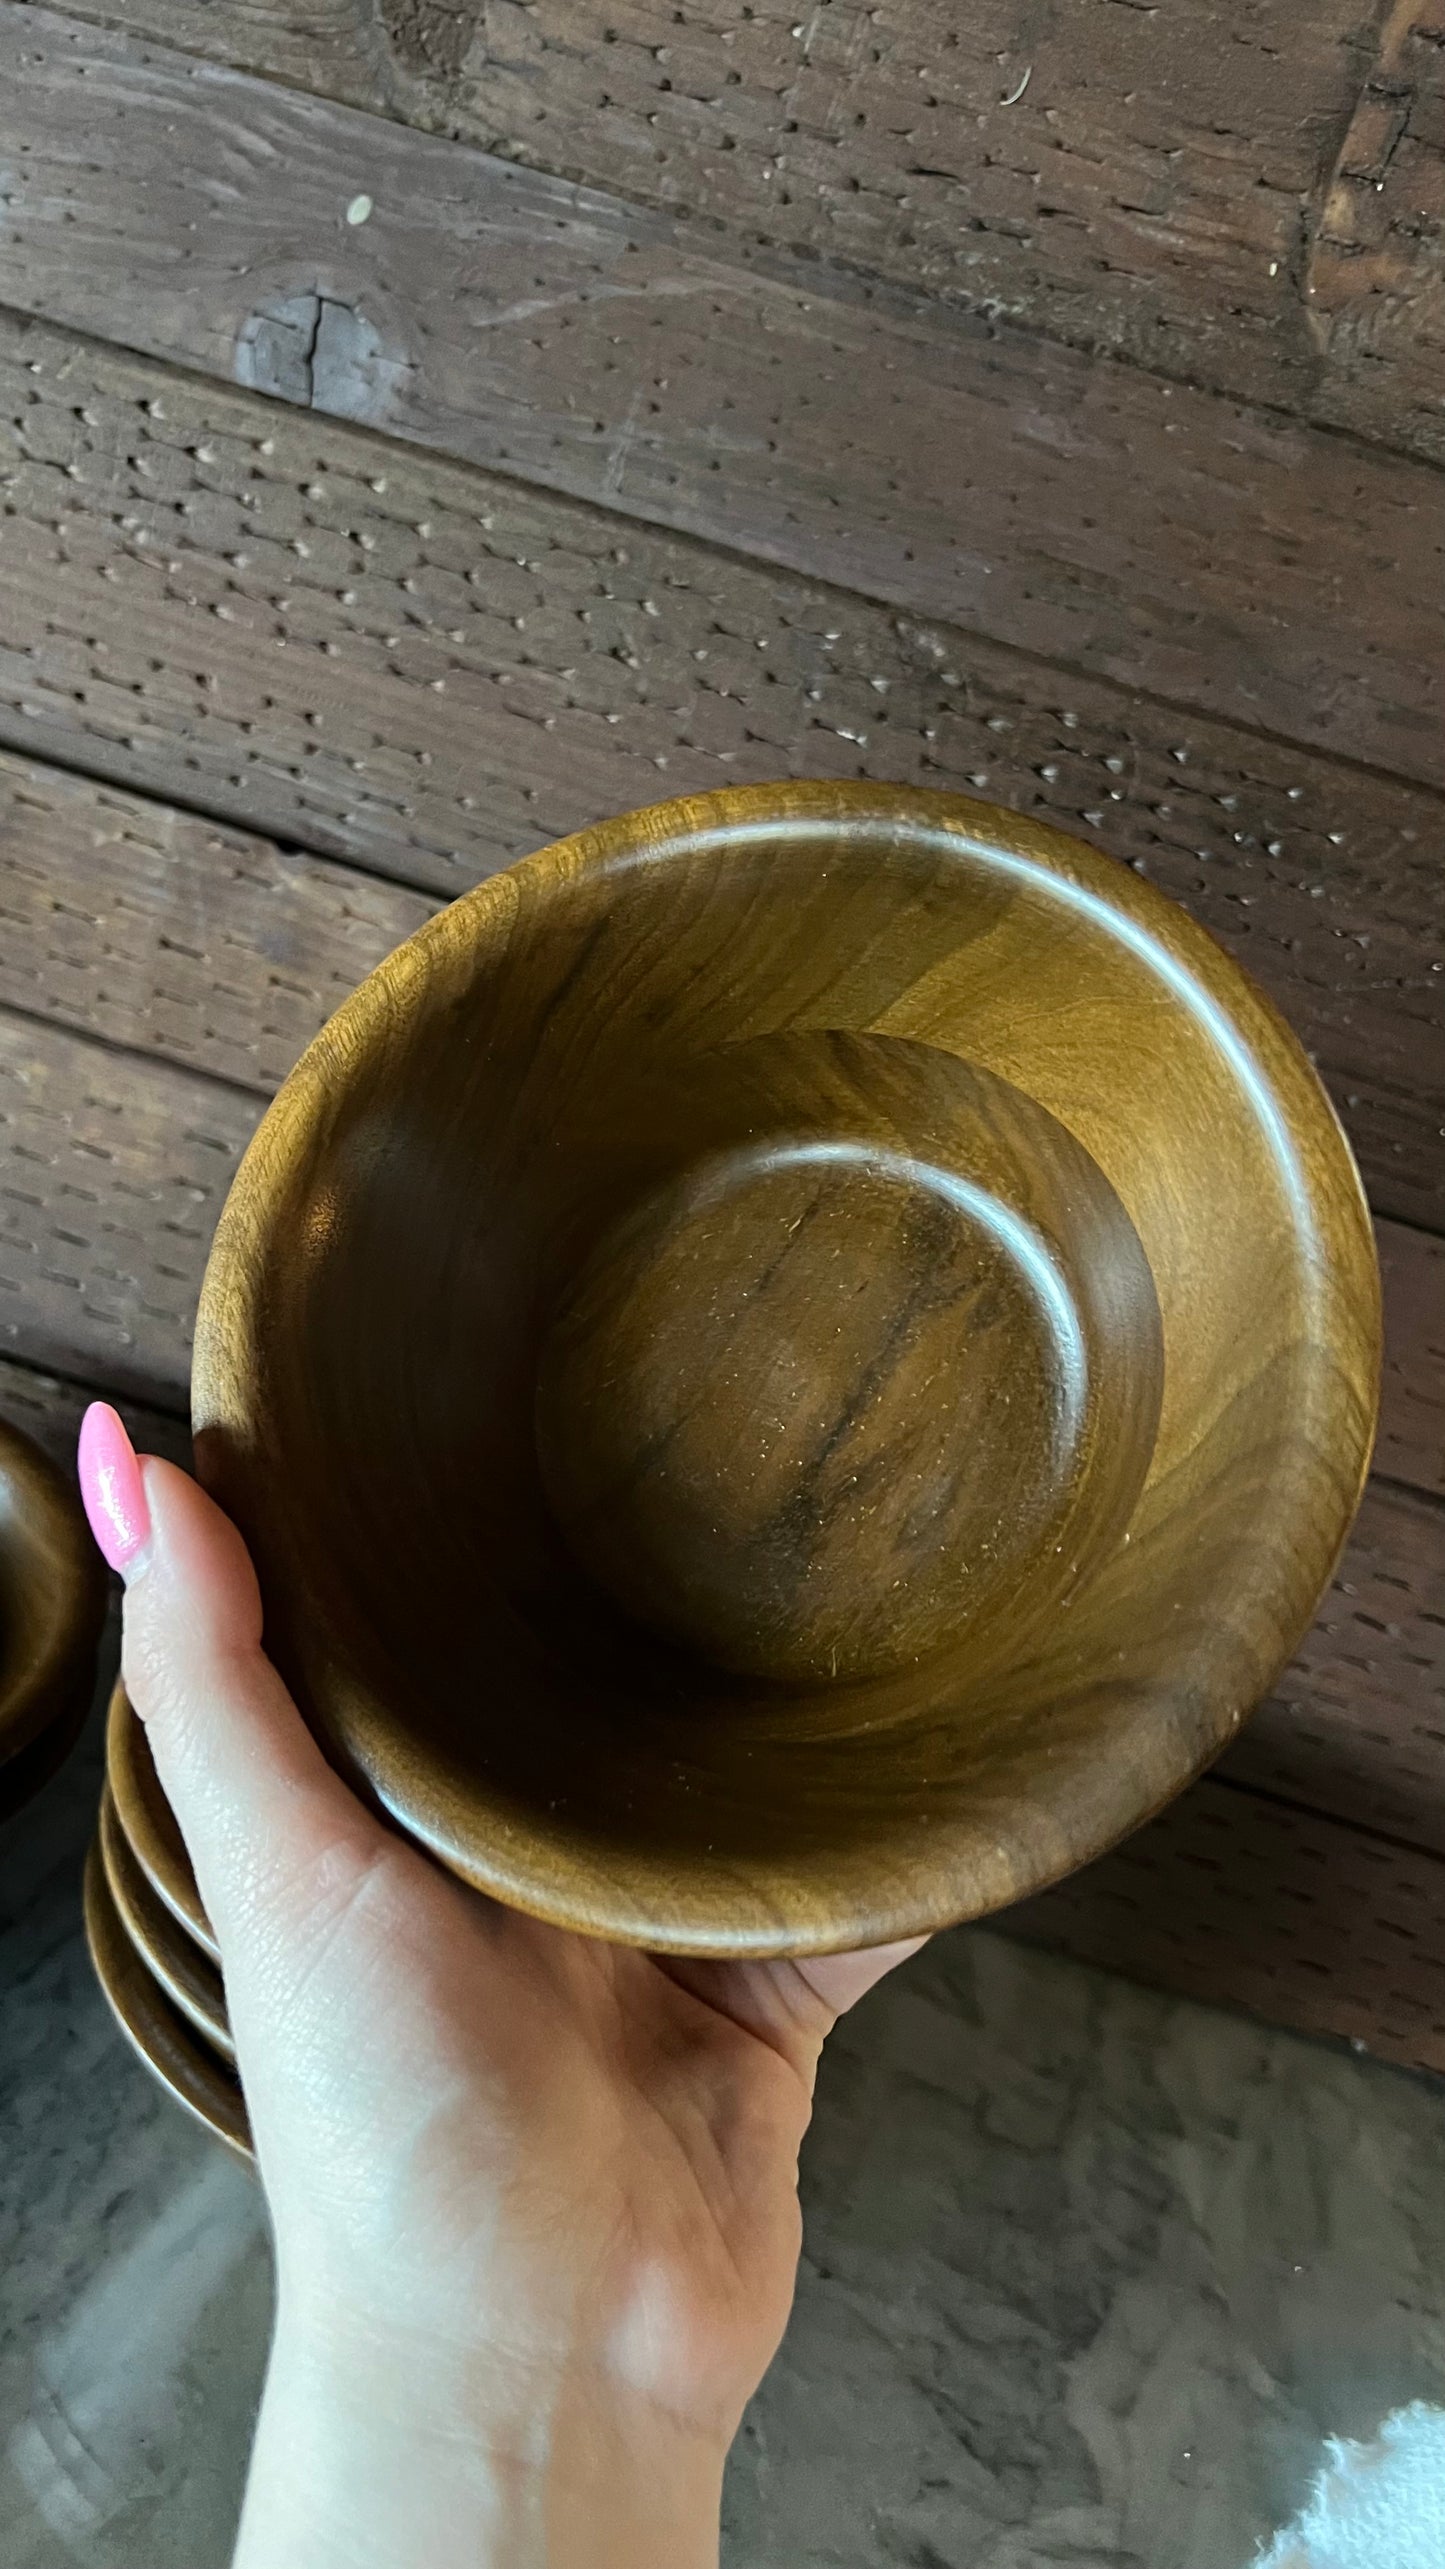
319, 352
432, 38
1375, 258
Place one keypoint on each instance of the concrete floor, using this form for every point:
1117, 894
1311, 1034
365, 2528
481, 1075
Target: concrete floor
1090, 2273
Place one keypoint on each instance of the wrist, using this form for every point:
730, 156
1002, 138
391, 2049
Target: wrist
403, 2452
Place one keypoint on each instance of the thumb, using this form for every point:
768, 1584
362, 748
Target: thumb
257, 1804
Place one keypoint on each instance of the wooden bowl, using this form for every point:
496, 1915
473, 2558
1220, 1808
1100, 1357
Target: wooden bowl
176, 2056
792, 1366
31, 1769
148, 1823
188, 1976
52, 1606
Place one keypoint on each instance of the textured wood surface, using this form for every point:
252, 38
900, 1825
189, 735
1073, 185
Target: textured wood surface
742, 1052
140, 926
1301, 1919
1357, 1725
186, 2065
150, 587
185, 1971
1232, 1893
52, 1603
193, 933
50, 1407
1246, 196
149, 1824
1268, 1926
216, 601
1412, 1408
113, 1172
1223, 556
1374, 268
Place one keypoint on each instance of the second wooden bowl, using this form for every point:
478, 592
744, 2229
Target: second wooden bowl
52, 1605
148, 1823
792, 1367
188, 1975
178, 2058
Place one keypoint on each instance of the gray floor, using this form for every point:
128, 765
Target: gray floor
1090, 2273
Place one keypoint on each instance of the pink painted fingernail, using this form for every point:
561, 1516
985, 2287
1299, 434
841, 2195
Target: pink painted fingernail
111, 1486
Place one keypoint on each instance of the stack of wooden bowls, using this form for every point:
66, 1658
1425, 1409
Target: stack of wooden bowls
150, 1940
791, 1369
52, 1605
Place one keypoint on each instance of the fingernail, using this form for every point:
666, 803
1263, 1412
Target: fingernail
111, 1486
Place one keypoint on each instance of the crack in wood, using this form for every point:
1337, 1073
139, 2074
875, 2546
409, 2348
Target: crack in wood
319, 352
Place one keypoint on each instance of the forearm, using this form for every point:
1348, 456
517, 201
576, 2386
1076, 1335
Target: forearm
389, 2463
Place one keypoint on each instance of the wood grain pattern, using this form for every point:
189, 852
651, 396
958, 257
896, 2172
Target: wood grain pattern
1237, 194
751, 1028
141, 926
157, 2032
213, 599
137, 1334
52, 1604
148, 1824
1412, 1408
187, 1975
1374, 277
1236, 1897
1158, 535
114, 1169
1179, 217
112, 1174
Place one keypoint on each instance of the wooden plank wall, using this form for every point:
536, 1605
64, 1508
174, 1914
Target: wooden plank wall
1237, 194
691, 402
1219, 554
427, 671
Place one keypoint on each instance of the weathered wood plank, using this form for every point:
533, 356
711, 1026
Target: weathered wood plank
113, 1171
1301, 1919
428, 671
1357, 1726
1151, 533
1373, 274
1412, 1409
145, 927
51, 1410
1238, 194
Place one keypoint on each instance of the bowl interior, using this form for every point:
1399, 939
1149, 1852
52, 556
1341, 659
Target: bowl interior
793, 1366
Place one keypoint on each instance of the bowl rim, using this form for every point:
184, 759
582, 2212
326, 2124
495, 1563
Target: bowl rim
1131, 907
178, 2058
142, 1813
190, 1977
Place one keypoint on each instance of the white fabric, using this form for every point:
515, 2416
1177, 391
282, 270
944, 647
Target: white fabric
1375, 2506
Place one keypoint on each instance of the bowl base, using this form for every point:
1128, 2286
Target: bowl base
813, 1404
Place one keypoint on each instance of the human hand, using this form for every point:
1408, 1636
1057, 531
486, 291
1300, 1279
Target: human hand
534, 2197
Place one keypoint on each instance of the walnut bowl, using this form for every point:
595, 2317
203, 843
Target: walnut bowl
793, 1366
52, 1606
